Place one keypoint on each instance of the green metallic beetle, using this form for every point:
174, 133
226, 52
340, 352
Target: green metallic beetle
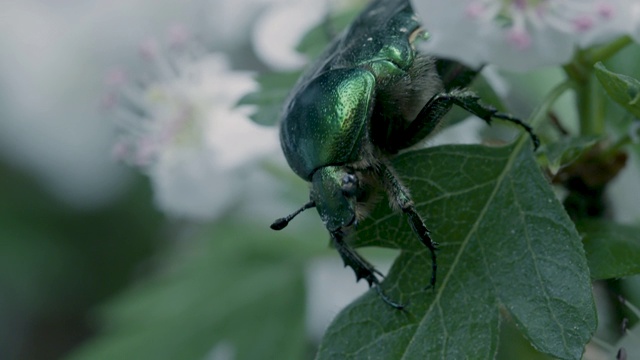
370, 95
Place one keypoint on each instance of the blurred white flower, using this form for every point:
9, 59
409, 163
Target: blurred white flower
181, 127
54, 55
226, 24
283, 24
281, 28
520, 35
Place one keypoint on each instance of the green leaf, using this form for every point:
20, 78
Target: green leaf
268, 99
229, 291
314, 42
317, 39
566, 150
613, 250
506, 245
623, 89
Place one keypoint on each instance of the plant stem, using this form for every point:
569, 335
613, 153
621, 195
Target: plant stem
604, 52
589, 102
590, 108
540, 113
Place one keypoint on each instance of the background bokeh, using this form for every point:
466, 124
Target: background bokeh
76, 227
83, 249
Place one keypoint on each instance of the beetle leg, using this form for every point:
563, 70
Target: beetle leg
435, 109
399, 195
362, 268
418, 227
471, 102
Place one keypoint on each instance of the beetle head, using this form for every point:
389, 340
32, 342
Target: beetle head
334, 191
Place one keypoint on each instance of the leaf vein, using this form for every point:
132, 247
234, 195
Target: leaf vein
483, 213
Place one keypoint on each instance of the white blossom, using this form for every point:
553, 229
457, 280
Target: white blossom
182, 128
280, 28
520, 35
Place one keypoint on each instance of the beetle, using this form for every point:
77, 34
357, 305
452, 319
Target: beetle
370, 95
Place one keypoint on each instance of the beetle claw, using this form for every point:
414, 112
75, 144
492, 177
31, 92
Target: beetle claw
391, 303
361, 267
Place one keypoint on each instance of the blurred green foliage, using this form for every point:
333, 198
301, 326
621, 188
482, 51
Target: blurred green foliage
230, 285
57, 262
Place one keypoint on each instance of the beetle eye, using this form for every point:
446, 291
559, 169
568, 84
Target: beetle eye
349, 184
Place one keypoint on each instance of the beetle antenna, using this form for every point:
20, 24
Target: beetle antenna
283, 222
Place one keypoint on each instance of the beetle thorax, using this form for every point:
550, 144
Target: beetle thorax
326, 121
